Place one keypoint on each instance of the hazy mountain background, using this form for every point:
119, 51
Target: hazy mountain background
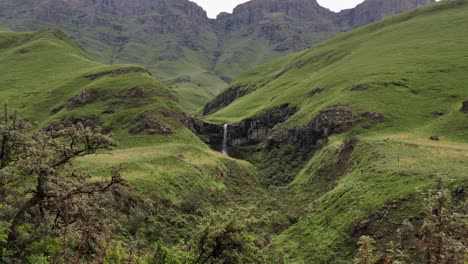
196, 56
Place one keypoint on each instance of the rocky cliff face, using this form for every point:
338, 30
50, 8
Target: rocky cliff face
256, 129
373, 10
288, 25
166, 16
253, 12
126, 7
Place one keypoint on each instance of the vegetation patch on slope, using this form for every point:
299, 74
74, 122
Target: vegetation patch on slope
175, 180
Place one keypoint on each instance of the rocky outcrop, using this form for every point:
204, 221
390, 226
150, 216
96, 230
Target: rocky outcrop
58, 12
82, 98
149, 124
270, 127
135, 92
311, 136
123, 7
116, 72
373, 117
253, 12
285, 149
211, 134
464, 106
224, 99
286, 24
247, 132
254, 130
373, 10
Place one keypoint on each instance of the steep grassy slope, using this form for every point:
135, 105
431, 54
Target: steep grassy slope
371, 192
56, 79
406, 67
49, 79
194, 90
364, 107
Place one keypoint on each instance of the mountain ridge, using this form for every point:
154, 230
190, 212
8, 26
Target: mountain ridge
176, 38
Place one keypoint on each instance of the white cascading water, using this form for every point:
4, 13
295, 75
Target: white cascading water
224, 149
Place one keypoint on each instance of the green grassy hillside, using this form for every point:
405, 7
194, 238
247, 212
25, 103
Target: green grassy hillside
373, 192
194, 90
409, 71
57, 80
406, 67
347, 150
49, 78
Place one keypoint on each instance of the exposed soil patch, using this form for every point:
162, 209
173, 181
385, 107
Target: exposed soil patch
22, 51
464, 108
116, 72
359, 87
83, 98
437, 113
296, 65
374, 117
57, 109
150, 125
367, 86
316, 91
135, 92
336, 171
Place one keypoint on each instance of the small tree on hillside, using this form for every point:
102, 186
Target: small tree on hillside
224, 239
366, 252
444, 232
44, 194
445, 228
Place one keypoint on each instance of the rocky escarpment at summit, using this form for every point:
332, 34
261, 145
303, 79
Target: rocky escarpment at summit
365, 13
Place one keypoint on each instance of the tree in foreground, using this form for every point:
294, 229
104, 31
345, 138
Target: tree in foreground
49, 205
445, 228
443, 235
224, 239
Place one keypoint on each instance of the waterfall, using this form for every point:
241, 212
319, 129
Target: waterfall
224, 150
